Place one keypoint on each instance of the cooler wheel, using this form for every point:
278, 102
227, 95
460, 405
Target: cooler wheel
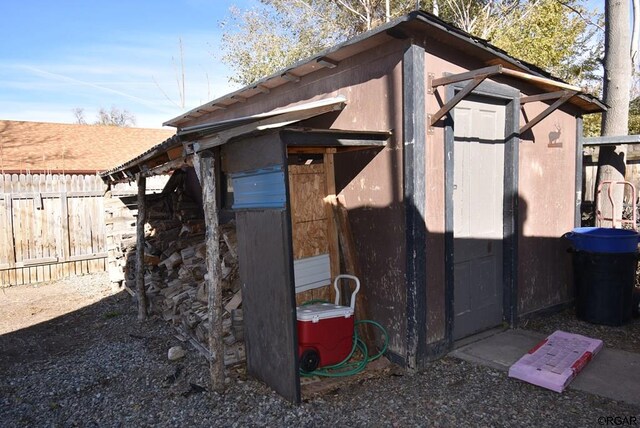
309, 360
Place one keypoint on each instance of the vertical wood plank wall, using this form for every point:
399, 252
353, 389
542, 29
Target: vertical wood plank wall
51, 226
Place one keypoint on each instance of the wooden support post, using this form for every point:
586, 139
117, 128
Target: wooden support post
455, 100
207, 176
142, 295
350, 261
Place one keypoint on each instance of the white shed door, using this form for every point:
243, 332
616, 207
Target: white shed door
478, 218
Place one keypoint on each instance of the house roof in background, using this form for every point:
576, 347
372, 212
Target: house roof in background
60, 147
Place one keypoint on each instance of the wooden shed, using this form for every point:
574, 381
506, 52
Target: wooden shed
458, 164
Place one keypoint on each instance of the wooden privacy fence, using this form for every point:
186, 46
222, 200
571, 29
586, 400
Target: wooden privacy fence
51, 226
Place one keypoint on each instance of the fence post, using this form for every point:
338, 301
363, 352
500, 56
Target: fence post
64, 214
8, 202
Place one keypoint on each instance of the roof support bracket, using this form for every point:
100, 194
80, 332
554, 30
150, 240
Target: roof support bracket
430, 77
476, 77
564, 96
455, 100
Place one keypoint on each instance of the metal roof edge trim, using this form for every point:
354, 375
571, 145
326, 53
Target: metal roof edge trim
213, 128
272, 113
174, 140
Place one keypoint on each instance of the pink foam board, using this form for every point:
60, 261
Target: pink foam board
556, 361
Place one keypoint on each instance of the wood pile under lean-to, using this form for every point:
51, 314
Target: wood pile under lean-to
175, 270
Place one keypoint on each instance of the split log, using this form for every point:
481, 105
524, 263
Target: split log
175, 267
142, 297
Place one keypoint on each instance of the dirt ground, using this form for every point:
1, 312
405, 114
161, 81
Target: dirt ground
29, 305
52, 318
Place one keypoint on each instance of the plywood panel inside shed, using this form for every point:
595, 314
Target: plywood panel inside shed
309, 222
308, 215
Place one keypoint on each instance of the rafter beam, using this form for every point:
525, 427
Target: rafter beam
543, 97
326, 62
290, 77
461, 77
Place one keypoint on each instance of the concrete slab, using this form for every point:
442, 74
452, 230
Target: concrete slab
613, 373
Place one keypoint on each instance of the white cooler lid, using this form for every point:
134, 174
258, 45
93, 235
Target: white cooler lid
320, 311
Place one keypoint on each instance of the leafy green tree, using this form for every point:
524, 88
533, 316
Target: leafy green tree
478, 17
260, 41
553, 34
634, 117
559, 36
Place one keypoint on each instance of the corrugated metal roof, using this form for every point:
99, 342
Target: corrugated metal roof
222, 125
238, 126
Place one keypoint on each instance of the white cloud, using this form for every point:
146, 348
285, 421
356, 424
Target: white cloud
131, 71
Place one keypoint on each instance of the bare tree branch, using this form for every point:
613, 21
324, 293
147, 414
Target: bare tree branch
164, 93
579, 13
635, 33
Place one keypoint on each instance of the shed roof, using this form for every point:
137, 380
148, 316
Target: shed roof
412, 24
71, 148
171, 154
417, 24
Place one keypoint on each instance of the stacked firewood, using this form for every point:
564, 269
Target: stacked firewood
175, 271
120, 225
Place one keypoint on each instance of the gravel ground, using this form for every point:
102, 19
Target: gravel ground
99, 367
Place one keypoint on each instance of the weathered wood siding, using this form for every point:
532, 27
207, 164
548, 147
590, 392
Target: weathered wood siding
266, 270
546, 210
54, 226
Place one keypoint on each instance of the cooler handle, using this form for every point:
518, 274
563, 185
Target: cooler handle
353, 295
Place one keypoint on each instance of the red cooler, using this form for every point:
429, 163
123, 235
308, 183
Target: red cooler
325, 331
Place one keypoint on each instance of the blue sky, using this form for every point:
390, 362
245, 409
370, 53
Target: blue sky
57, 55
